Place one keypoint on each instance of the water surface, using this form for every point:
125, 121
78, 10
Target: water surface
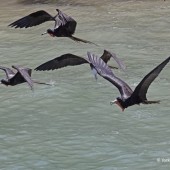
71, 126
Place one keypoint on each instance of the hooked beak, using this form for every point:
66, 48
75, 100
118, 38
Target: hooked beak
118, 103
44, 33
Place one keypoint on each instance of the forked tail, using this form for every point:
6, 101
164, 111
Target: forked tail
38, 82
81, 40
151, 102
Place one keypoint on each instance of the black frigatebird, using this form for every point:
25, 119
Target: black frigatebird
21, 76
128, 96
72, 60
65, 25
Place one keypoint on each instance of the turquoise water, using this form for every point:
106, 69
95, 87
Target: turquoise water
71, 125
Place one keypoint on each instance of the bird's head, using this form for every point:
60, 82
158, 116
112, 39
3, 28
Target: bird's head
5, 82
119, 102
50, 32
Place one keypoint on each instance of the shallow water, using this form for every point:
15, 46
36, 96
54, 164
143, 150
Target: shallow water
72, 126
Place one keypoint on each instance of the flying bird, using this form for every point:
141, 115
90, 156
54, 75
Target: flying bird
72, 60
21, 76
128, 96
65, 25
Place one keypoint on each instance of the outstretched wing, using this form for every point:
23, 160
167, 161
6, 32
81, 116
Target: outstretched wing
32, 19
62, 61
142, 88
26, 74
108, 55
103, 70
9, 73
65, 21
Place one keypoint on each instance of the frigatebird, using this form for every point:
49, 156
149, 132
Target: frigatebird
72, 60
21, 76
128, 96
65, 25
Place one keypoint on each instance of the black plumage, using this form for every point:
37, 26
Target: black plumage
128, 96
21, 76
72, 60
65, 25
39, 17
33, 19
